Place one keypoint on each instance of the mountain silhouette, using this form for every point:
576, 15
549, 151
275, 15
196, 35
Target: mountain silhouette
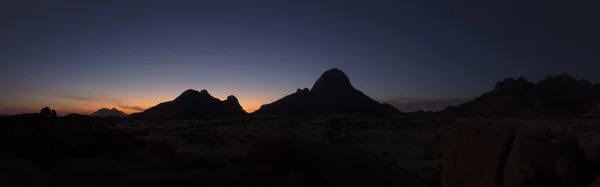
558, 95
193, 104
332, 93
105, 112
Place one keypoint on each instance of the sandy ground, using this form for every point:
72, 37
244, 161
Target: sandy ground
414, 143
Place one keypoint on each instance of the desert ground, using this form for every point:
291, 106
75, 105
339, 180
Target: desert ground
416, 143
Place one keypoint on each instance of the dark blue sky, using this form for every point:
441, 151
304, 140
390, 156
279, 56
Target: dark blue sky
81, 55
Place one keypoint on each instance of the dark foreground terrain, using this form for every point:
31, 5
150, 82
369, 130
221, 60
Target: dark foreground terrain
76, 150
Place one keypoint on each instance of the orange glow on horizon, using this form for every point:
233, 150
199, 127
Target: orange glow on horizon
126, 103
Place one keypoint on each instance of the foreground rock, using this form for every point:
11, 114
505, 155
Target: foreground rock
330, 165
478, 155
17, 172
530, 163
475, 156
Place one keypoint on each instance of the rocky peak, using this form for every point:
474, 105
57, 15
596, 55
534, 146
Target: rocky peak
511, 83
305, 90
105, 112
193, 94
563, 78
204, 92
333, 80
231, 99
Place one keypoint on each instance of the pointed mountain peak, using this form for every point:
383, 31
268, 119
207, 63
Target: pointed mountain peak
232, 98
203, 91
332, 80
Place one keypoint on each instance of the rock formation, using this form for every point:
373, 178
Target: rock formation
105, 112
478, 155
558, 95
332, 93
475, 156
594, 112
193, 104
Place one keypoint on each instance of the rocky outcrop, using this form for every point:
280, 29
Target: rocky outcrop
497, 156
530, 162
594, 112
558, 95
17, 172
332, 93
105, 112
192, 104
270, 160
476, 156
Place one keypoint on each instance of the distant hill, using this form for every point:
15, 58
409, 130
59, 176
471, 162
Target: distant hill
558, 95
193, 104
105, 112
332, 93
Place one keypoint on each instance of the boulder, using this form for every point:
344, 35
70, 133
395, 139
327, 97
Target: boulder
568, 147
596, 183
592, 155
17, 172
475, 155
568, 173
530, 163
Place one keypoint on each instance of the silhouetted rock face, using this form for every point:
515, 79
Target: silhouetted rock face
332, 93
559, 95
476, 148
595, 112
105, 112
333, 81
193, 104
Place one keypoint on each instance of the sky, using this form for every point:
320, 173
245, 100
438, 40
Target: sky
79, 56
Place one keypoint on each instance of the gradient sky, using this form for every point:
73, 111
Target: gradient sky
79, 56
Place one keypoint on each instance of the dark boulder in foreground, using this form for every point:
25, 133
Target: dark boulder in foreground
332, 93
495, 156
17, 172
594, 112
193, 104
272, 160
475, 156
